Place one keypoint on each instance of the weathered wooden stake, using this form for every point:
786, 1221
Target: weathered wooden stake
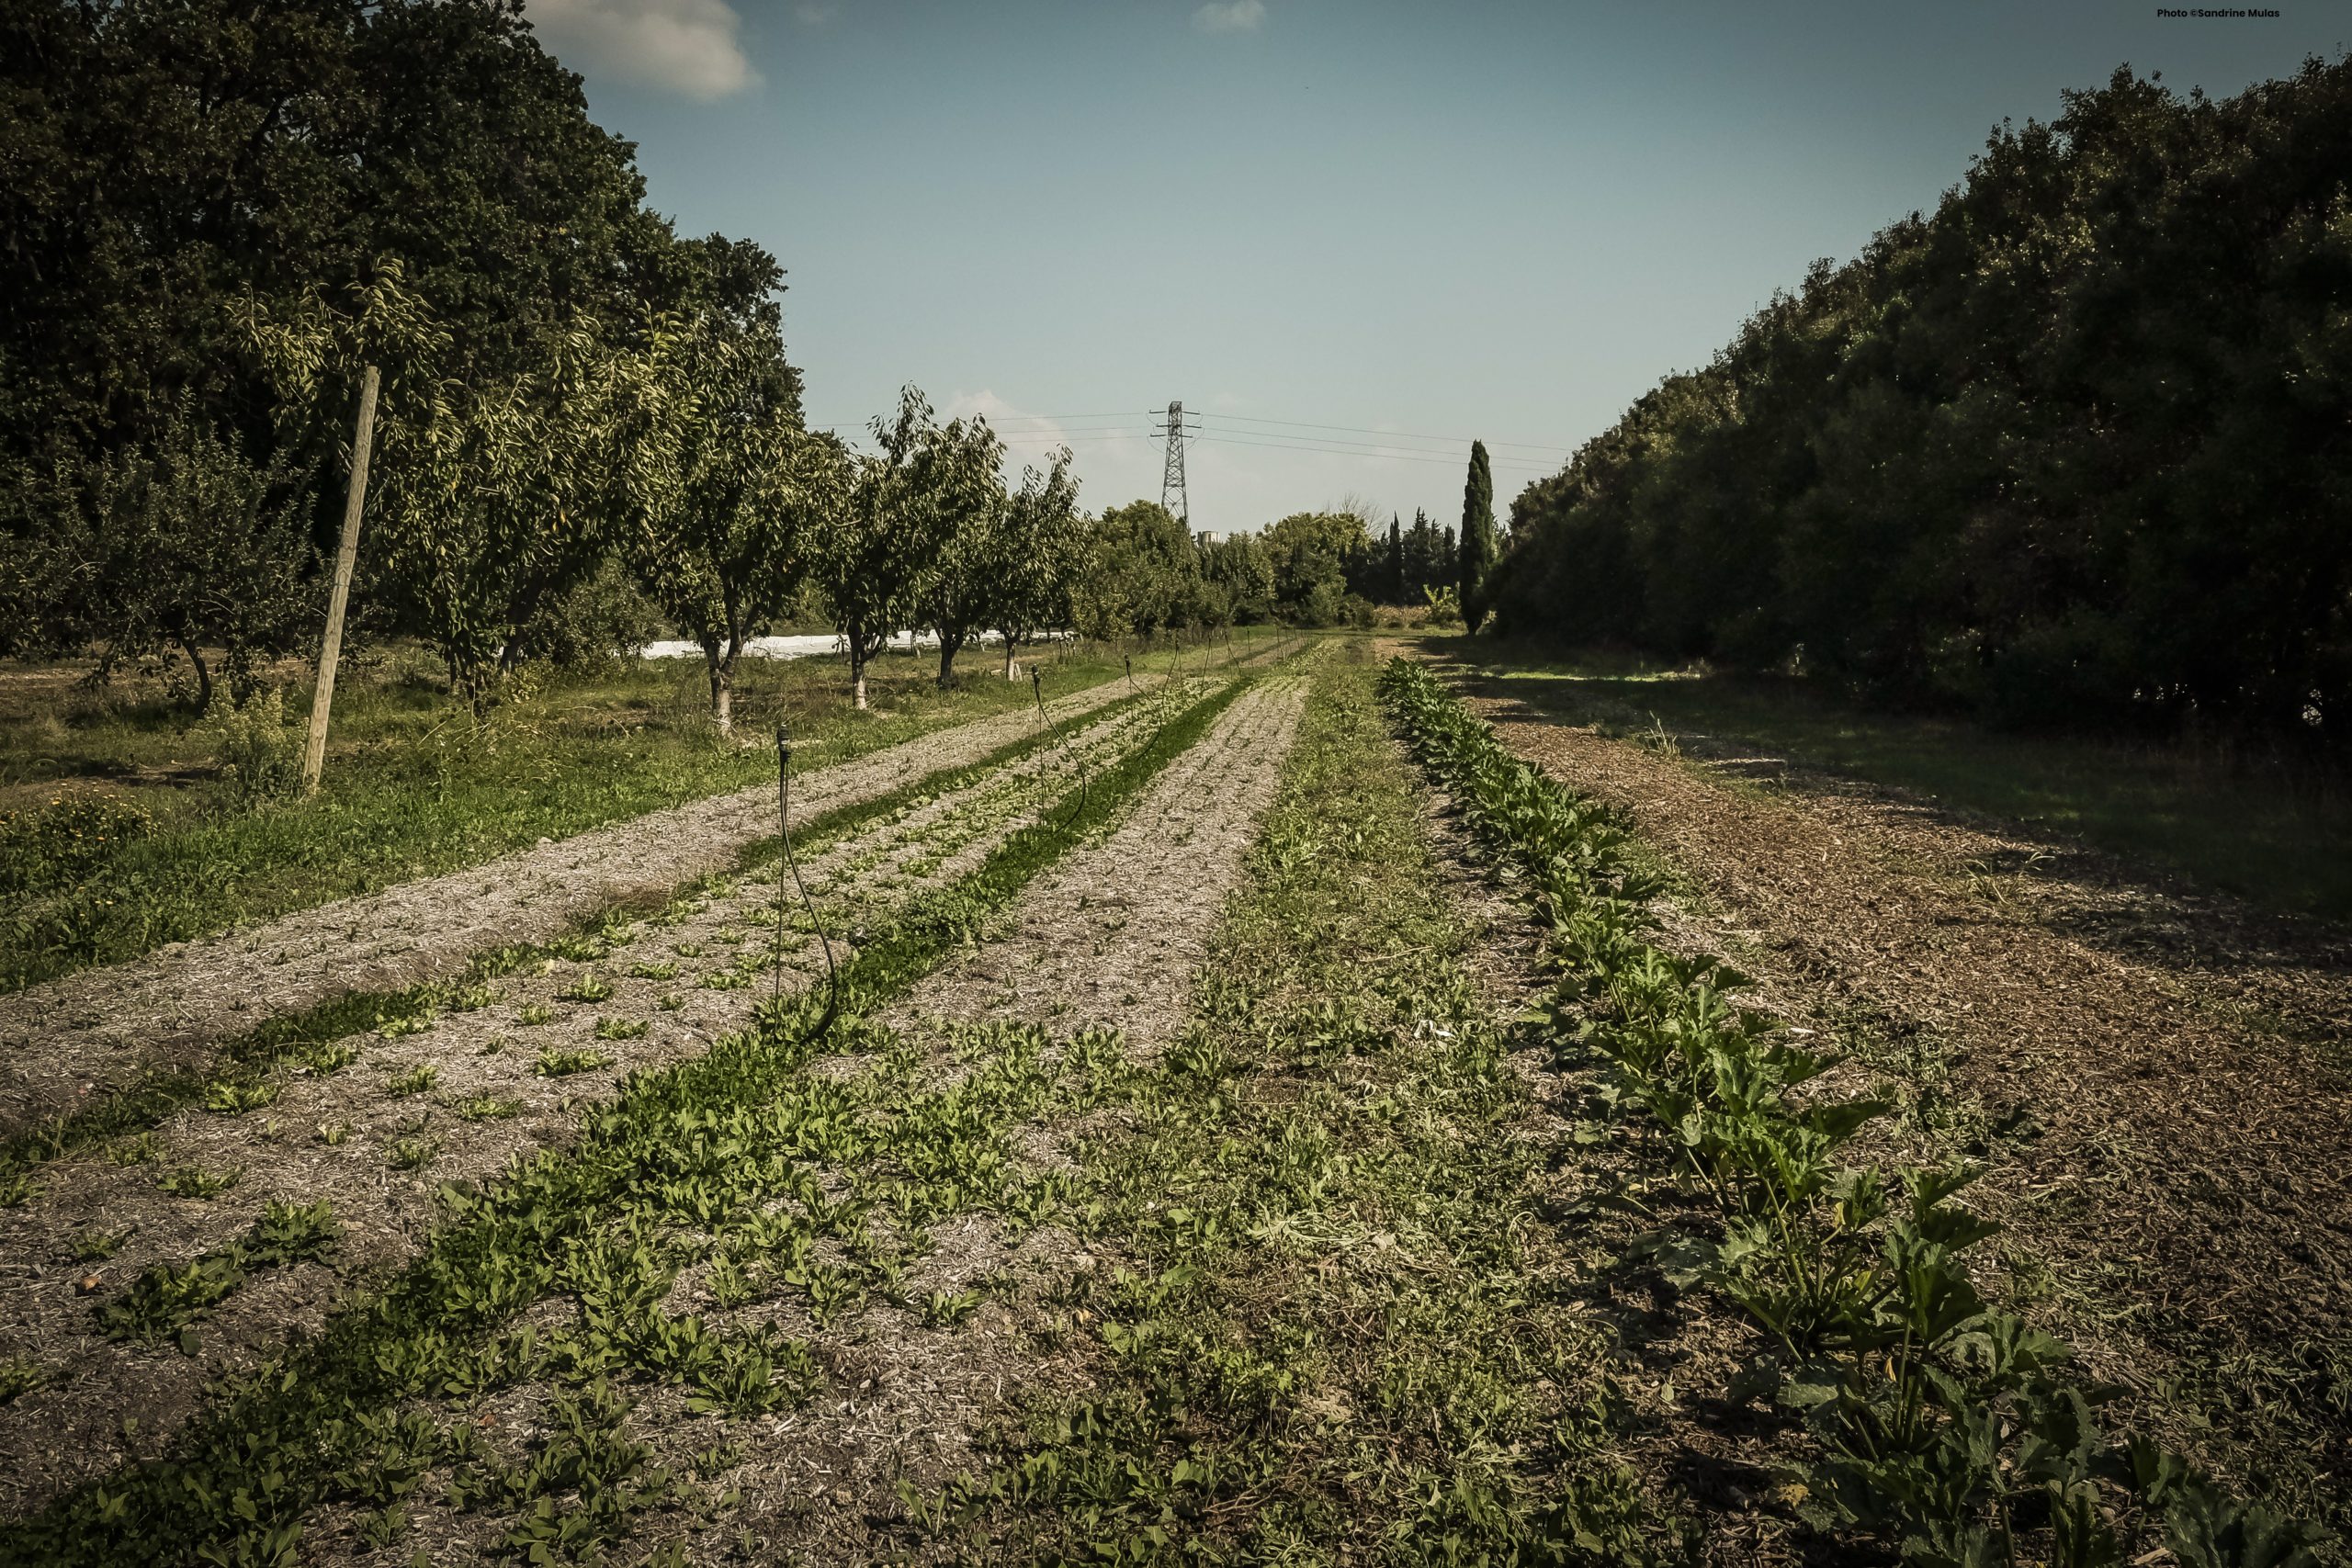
314, 755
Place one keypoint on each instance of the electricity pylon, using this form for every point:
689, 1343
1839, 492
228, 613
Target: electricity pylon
1171, 473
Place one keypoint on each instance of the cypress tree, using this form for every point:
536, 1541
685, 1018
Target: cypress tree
1395, 561
1477, 536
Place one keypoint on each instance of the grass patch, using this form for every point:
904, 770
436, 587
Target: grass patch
2277, 836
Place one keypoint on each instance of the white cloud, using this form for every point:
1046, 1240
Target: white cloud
687, 46
1230, 16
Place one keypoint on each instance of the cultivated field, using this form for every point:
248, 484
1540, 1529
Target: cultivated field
1292, 1106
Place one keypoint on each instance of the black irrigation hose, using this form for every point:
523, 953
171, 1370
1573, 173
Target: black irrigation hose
783, 830
1037, 690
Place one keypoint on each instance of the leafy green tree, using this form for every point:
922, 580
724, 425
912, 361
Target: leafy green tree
1477, 537
878, 545
1241, 576
2063, 450
1141, 578
1309, 554
183, 545
720, 549
966, 459
182, 168
1040, 549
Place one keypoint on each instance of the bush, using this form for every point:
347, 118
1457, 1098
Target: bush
259, 748
605, 618
56, 845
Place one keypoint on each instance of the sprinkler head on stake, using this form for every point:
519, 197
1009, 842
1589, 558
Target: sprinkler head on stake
782, 742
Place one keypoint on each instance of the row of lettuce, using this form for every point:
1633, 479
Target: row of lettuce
1939, 1422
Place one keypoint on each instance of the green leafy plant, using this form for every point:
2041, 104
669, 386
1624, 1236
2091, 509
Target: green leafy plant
588, 988
558, 1062
192, 1182
416, 1080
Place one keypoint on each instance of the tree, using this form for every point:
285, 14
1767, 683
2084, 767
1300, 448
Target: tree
1395, 561
720, 551
1310, 553
1039, 551
185, 544
965, 460
1240, 578
1141, 579
879, 542
1477, 537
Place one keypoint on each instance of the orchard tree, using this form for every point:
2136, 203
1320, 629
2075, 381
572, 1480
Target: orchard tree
184, 544
1041, 548
877, 550
721, 549
1477, 536
965, 460
1140, 574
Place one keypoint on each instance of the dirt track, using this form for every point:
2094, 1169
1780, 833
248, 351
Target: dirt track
2181, 1163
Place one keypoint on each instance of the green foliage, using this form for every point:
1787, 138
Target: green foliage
1940, 1422
720, 539
259, 746
54, 845
2061, 450
1142, 575
1313, 556
884, 520
1477, 546
194, 1181
176, 541
165, 1299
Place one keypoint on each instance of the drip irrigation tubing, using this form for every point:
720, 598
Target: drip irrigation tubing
1038, 692
783, 829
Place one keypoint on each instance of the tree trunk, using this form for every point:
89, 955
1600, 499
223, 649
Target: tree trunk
1012, 670
856, 675
203, 673
722, 693
949, 647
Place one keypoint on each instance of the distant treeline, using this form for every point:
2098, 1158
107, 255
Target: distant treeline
2076, 448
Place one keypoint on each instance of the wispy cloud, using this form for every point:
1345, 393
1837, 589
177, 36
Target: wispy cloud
685, 46
1230, 16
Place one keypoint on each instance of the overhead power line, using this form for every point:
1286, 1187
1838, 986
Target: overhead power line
1372, 447
1513, 465
1395, 435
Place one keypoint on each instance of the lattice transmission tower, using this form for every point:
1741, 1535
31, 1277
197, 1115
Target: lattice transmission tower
1171, 473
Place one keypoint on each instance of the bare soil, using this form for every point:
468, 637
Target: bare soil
97, 1032
2155, 1081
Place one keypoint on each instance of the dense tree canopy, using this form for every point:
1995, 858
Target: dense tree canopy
217, 210
2076, 444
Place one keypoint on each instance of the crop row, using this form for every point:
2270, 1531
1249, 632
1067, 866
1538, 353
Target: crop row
721, 1145
1940, 1423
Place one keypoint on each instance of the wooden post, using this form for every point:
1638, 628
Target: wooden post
314, 755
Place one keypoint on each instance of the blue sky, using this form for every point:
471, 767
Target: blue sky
1424, 220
